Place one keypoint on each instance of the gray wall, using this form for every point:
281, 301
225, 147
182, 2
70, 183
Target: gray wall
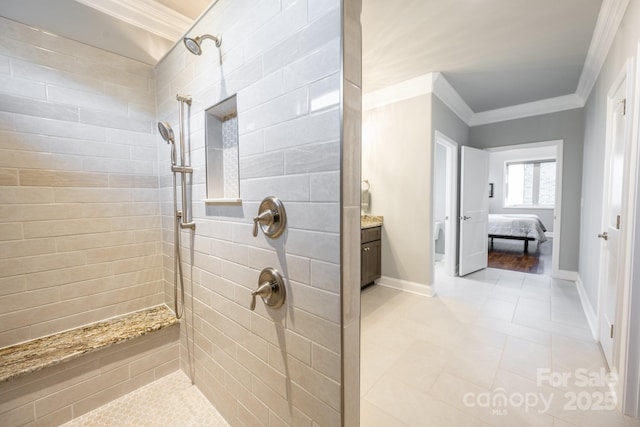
565, 125
624, 46
446, 122
399, 137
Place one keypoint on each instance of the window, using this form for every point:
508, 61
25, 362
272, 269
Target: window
530, 184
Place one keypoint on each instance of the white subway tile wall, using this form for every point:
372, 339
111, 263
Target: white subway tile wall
80, 223
282, 58
79, 201
57, 394
86, 229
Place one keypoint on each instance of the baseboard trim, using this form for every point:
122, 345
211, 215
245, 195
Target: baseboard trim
589, 312
566, 275
405, 285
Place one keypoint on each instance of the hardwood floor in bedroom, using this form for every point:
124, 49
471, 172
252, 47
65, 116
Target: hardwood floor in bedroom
509, 255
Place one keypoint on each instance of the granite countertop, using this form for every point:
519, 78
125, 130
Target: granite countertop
370, 221
34, 355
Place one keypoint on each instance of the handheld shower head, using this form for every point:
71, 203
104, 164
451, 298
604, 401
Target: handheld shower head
166, 132
194, 44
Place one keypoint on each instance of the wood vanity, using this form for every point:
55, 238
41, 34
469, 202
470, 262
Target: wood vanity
370, 250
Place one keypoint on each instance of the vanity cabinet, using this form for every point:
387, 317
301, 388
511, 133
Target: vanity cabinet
371, 255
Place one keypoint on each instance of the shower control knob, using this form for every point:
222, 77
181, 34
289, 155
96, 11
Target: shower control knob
271, 218
264, 291
270, 289
265, 219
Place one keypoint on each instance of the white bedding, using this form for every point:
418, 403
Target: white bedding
517, 226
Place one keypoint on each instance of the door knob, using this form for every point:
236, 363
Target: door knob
604, 235
270, 289
464, 218
271, 218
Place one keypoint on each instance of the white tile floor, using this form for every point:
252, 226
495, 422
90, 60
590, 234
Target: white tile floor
454, 359
169, 401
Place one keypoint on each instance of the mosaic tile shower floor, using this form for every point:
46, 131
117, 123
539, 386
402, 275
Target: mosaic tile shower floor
169, 401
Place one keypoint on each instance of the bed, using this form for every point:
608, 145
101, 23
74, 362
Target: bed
517, 227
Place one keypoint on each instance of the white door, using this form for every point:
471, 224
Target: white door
610, 280
474, 209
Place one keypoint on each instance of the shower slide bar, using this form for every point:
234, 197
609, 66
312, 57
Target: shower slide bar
182, 217
184, 169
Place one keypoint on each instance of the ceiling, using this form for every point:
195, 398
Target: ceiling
144, 30
189, 8
495, 53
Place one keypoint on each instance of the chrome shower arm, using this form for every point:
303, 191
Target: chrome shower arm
217, 39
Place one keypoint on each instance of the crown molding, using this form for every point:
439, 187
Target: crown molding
452, 99
149, 15
422, 85
609, 18
407, 89
437, 84
529, 109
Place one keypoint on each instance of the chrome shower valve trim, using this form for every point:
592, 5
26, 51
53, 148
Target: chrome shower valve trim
270, 288
272, 218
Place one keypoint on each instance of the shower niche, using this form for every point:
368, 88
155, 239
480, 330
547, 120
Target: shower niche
221, 141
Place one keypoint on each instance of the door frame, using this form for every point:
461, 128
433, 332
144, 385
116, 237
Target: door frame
623, 298
557, 221
451, 202
631, 396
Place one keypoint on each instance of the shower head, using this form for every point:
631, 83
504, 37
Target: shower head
193, 44
166, 132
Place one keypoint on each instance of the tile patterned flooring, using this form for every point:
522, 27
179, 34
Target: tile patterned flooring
451, 360
169, 401
488, 350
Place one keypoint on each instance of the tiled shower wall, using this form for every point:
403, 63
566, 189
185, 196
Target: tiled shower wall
80, 231
283, 59
79, 211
